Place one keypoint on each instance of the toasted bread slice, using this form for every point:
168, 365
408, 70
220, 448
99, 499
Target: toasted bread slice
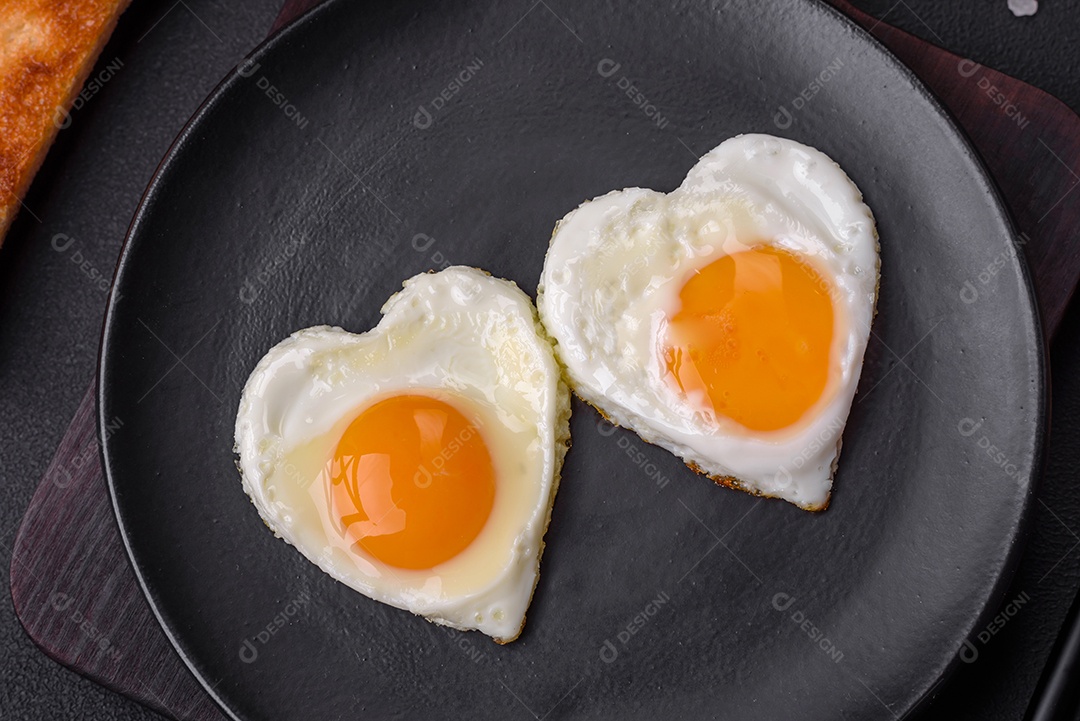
47, 50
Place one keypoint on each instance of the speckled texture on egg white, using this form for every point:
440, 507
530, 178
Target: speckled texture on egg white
459, 332
612, 277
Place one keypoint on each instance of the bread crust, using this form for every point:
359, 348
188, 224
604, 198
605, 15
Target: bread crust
47, 50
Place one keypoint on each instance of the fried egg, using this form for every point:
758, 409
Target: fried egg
417, 463
727, 320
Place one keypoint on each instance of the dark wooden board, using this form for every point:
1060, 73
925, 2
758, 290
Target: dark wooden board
72, 585
1028, 139
76, 594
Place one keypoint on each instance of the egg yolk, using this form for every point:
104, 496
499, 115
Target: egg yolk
411, 481
753, 332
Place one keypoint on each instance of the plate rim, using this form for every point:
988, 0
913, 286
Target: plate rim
1020, 528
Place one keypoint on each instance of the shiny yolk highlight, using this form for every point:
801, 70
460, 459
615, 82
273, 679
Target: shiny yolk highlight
411, 481
754, 332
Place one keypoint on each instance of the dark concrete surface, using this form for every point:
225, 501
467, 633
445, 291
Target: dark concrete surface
51, 306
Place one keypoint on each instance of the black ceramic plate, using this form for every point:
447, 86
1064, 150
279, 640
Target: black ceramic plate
370, 142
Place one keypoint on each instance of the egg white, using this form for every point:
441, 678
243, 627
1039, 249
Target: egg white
612, 278
459, 335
